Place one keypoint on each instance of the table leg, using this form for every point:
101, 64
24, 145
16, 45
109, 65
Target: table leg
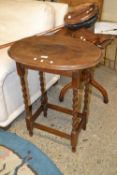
64, 90
44, 98
93, 82
86, 97
21, 72
101, 89
75, 119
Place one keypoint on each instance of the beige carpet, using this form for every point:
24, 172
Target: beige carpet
97, 147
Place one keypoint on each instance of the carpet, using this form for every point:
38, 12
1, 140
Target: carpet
21, 157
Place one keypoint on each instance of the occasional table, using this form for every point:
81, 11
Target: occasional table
61, 55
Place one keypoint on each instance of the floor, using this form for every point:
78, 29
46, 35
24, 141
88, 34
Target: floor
97, 146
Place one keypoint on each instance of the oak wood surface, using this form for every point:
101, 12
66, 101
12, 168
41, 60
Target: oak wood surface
55, 53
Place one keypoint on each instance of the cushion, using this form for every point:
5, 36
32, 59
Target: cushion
20, 19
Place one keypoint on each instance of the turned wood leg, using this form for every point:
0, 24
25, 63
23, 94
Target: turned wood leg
86, 97
75, 118
64, 90
28, 118
44, 98
101, 89
93, 83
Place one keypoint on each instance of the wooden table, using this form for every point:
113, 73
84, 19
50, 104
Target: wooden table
59, 55
101, 41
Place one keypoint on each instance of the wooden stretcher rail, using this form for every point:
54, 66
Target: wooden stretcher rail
52, 130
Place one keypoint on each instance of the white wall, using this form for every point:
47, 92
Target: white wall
109, 12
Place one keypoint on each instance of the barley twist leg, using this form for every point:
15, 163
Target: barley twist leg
28, 118
44, 98
86, 97
75, 118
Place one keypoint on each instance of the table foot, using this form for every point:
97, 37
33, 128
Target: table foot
74, 138
101, 89
105, 100
73, 149
64, 90
31, 133
29, 125
84, 122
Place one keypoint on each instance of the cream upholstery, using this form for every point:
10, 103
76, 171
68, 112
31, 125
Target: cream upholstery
21, 19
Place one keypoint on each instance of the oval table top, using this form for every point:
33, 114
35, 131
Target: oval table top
55, 53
